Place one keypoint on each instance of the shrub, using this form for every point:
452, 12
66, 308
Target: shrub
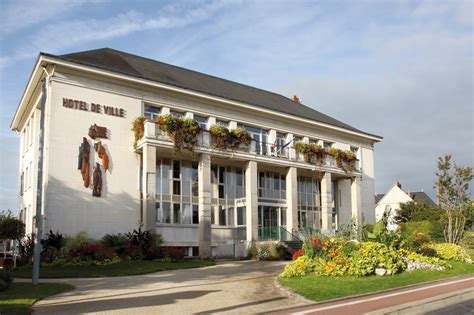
131, 251
144, 239
75, 241
91, 251
416, 233
52, 245
297, 254
449, 251
5, 280
223, 139
172, 253
252, 250
182, 131
298, 268
26, 249
422, 258
114, 240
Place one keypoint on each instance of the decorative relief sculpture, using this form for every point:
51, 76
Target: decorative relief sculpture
102, 155
97, 181
97, 132
84, 161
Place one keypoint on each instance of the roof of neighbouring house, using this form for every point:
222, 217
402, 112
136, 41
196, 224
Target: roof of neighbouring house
421, 196
144, 68
378, 197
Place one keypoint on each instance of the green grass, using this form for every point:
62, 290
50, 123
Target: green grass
123, 268
470, 251
321, 288
19, 298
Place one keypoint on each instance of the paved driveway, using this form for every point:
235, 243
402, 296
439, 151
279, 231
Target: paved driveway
231, 287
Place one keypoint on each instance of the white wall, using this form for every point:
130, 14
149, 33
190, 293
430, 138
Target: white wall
367, 185
69, 206
392, 198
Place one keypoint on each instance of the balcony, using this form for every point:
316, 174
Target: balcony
257, 149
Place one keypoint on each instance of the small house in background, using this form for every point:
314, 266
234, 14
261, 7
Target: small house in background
394, 197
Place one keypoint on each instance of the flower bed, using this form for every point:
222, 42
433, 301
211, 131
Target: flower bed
337, 257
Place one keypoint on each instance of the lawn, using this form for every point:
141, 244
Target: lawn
123, 268
321, 288
19, 298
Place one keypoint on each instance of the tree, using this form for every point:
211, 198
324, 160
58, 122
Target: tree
453, 190
408, 210
11, 228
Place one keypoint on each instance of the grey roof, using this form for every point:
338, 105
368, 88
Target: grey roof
144, 68
378, 197
421, 196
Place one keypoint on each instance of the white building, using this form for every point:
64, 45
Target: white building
391, 201
211, 199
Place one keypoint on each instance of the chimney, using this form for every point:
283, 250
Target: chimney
399, 185
295, 99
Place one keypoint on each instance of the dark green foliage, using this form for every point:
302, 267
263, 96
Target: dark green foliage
26, 249
11, 228
144, 239
5, 280
437, 218
52, 245
114, 240
408, 210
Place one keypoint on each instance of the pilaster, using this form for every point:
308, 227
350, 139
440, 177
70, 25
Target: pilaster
291, 199
326, 202
356, 201
251, 198
149, 187
204, 187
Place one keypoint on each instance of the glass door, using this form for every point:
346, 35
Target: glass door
268, 225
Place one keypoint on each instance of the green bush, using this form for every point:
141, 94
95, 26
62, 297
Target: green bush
5, 280
75, 241
451, 252
114, 240
414, 232
263, 251
437, 218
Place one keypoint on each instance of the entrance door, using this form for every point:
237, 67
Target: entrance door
268, 223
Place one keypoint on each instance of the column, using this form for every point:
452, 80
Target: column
291, 199
251, 199
149, 187
356, 201
204, 187
326, 202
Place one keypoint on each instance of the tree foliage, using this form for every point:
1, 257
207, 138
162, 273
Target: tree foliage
11, 228
408, 210
453, 189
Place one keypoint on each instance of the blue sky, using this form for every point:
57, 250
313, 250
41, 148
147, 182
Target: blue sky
400, 69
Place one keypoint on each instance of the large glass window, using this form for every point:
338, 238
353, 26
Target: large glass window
271, 185
177, 191
228, 185
309, 202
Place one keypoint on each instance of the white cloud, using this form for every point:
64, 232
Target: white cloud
16, 15
61, 35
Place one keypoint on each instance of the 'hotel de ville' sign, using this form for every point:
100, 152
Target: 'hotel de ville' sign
93, 107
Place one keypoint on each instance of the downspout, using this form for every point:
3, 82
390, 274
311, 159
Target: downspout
39, 187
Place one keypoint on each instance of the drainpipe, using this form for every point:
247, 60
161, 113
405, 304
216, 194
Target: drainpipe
39, 187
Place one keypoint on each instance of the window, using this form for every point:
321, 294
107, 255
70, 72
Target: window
27, 176
260, 136
202, 121
176, 191
31, 174
271, 185
327, 145
313, 141
222, 123
277, 147
241, 216
309, 201
22, 178
177, 114
228, 185
152, 112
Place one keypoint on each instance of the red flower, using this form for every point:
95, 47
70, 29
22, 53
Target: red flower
297, 254
323, 244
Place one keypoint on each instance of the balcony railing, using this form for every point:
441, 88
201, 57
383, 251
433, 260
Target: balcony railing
152, 131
